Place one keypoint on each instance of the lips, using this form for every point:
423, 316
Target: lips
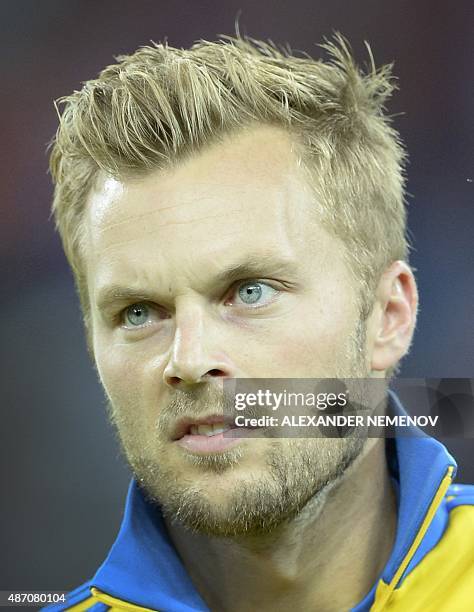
207, 435
206, 426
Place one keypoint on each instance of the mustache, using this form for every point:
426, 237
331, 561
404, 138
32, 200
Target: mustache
195, 403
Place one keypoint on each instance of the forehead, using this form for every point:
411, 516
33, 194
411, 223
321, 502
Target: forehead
246, 194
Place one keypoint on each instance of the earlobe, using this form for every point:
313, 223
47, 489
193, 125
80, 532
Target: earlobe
397, 300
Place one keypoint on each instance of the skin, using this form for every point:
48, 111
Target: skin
167, 240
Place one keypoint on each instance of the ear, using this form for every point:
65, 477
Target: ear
393, 319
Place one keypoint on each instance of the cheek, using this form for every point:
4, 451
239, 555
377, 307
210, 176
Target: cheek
133, 381
121, 375
316, 340
123, 380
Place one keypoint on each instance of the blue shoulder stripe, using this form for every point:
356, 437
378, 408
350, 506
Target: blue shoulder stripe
73, 598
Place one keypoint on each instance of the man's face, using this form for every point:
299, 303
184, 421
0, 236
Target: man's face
219, 268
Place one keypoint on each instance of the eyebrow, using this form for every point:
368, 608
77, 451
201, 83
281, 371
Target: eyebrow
113, 294
254, 266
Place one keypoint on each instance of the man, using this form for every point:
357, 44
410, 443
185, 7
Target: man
230, 211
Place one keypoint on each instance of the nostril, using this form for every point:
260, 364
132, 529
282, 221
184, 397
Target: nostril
188, 377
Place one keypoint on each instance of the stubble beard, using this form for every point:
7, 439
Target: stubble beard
294, 473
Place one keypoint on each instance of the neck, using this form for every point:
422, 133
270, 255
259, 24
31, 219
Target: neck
326, 559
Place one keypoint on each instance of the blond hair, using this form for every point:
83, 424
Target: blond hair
159, 104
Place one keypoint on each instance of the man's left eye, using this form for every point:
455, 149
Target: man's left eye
254, 293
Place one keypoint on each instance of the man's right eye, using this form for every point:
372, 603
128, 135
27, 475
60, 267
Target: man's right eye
140, 315
136, 315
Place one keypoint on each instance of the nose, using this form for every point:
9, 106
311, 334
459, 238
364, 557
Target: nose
194, 358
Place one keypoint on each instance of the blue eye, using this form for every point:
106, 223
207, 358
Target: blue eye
252, 292
137, 315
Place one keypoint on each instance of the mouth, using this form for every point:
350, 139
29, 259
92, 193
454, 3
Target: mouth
211, 425
211, 434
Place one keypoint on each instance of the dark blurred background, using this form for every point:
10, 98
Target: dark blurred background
62, 479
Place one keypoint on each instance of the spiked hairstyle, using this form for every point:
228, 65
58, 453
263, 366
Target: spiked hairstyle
153, 108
